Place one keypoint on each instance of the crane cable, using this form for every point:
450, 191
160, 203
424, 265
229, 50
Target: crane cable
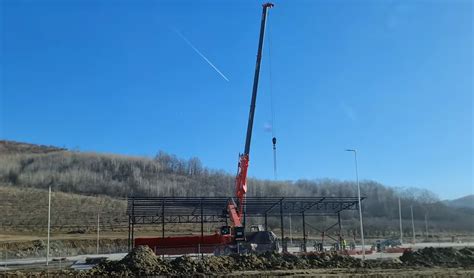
272, 123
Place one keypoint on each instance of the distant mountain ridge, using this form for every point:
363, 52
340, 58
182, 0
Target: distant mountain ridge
463, 202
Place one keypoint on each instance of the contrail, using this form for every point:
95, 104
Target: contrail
202, 55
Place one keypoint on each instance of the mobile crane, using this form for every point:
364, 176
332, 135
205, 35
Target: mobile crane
231, 238
237, 211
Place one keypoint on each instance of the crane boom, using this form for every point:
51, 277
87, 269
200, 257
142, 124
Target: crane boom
248, 138
236, 211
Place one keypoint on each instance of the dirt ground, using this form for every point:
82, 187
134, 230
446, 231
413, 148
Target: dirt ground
373, 273
323, 273
141, 261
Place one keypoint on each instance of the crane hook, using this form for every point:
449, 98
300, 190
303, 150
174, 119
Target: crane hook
274, 141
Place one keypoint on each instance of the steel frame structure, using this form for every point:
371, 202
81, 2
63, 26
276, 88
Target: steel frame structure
200, 210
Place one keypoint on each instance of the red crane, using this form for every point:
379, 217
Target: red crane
229, 236
237, 211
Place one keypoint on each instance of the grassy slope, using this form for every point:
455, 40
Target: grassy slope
73, 216
26, 209
74, 174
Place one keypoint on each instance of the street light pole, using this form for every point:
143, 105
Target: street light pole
412, 224
360, 207
49, 225
400, 215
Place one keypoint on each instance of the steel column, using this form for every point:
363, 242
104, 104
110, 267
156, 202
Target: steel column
283, 241
323, 233
163, 219
340, 228
129, 233
245, 214
266, 223
202, 222
202, 230
304, 232
133, 222
133, 237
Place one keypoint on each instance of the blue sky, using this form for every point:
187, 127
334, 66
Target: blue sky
393, 79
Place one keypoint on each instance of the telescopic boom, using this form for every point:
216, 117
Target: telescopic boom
241, 178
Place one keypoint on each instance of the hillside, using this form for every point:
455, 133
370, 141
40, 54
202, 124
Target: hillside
463, 202
26, 210
10, 147
91, 174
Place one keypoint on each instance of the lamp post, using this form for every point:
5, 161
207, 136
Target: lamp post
360, 207
49, 225
413, 225
400, 215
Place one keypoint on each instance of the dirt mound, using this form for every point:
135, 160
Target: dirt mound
261, 262
184, 265
141, 260
444, 257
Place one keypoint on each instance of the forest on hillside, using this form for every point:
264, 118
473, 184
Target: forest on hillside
166, 175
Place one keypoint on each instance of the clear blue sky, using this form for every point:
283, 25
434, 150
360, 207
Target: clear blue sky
393, 79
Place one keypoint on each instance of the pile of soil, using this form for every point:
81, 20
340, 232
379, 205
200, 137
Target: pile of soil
143, 262
444, 257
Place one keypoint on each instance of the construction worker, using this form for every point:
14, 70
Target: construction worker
344, 244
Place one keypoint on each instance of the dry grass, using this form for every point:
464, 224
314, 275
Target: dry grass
10, 147
27, 210
73, 216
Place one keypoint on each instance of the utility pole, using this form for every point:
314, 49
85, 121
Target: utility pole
360, 207
400, 215
49, 225
413, 224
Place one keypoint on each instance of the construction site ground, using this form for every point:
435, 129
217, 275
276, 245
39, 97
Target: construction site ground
345, 268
